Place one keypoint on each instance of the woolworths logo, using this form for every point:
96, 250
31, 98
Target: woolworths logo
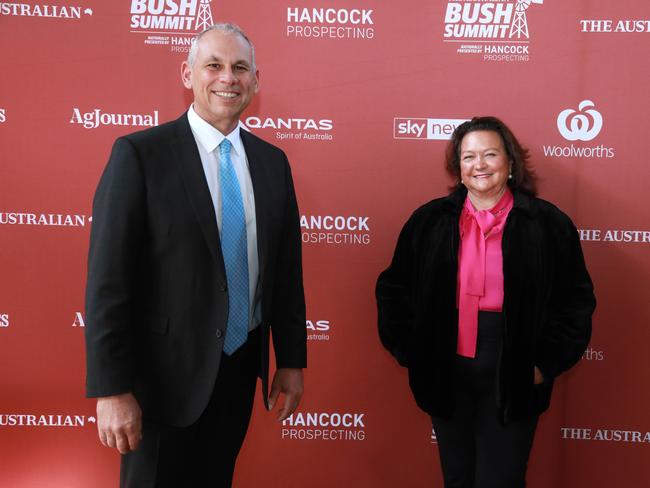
582, 124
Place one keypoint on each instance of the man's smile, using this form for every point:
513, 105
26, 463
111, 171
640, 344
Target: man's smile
226, 94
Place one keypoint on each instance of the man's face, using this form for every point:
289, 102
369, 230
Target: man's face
222, 79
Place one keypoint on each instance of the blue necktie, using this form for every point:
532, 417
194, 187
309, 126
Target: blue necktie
235, 251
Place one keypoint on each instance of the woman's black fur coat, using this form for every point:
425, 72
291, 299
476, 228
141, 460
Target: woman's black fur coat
547, 308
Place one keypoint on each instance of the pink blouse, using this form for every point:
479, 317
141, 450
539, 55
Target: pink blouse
480, 267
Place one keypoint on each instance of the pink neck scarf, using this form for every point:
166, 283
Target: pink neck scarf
475, 227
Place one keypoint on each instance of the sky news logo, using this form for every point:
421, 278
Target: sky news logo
420, 128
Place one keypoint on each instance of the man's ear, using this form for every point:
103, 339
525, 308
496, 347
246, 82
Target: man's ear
186, 75
257, 80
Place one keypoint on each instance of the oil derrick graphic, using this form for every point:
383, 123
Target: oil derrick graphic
519, 26
204, 16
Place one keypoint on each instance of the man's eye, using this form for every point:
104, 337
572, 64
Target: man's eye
240, 67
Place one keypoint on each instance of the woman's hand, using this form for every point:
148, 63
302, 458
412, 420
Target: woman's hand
539, 377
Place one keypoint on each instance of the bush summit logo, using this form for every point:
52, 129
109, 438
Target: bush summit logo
170, 22
497, 29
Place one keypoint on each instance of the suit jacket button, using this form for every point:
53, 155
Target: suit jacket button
219, 333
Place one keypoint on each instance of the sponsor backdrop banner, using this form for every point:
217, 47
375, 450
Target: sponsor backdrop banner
363, 96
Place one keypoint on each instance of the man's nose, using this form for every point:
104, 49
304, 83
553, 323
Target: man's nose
227, 75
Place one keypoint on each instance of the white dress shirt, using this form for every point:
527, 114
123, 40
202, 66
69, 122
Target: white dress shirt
207, 141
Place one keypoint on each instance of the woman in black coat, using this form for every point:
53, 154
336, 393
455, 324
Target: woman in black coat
486, 301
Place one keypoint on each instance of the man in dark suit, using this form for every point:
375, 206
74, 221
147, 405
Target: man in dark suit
195, 256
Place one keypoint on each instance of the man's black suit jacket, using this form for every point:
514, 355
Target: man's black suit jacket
156, 297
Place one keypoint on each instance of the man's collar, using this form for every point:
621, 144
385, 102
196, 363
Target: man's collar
210, 137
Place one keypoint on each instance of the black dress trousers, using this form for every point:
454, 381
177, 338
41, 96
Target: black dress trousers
204, 453
476, 449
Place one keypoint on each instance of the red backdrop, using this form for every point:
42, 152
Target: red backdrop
361, 95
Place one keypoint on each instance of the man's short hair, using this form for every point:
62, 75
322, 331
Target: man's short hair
225, 28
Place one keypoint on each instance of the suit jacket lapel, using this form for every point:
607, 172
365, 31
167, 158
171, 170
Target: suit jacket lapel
185, 150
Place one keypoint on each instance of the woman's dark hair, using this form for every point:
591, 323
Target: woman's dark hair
523, 176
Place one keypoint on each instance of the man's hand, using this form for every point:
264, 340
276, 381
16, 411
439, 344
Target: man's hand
539, 377
119, 422
289, 382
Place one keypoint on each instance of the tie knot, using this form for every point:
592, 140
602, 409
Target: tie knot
224, 148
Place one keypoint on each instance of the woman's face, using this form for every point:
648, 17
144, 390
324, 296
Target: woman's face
484, 165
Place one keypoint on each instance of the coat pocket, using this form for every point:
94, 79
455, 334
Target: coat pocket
542, 396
